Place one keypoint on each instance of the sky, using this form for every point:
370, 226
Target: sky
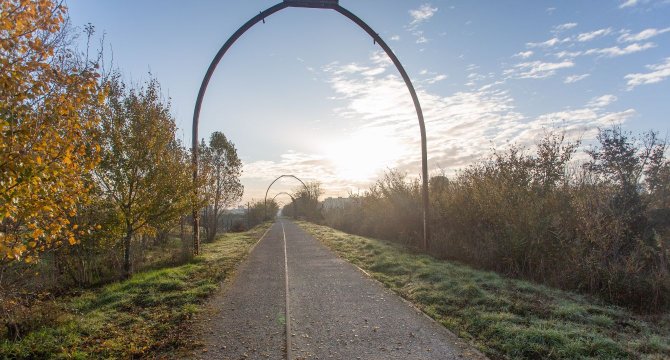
308, 93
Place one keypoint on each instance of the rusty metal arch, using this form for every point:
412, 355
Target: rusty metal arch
318, 4
265, 201
295, 204
283, 193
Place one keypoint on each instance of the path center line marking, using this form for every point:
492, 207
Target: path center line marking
288, 314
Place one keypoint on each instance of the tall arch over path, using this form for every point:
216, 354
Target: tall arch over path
316, 4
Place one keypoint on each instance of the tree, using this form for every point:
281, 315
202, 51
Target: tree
306, 201
49, 101
222, 185
622, 160
144, 172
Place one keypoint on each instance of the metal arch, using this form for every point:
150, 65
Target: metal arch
325, 5
265, 201
283, 193
295, 204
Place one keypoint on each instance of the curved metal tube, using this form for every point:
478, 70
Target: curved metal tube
265, 201
261, 17
295, 204
283, 193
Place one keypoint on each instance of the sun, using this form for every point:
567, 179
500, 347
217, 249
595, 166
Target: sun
364, 155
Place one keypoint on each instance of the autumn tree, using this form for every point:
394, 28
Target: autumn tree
222, 186
49, 98
144, 172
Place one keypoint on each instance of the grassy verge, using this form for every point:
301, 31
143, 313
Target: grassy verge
140, 317
504, 318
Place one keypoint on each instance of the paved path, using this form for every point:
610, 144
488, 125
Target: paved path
247, 317
335, 311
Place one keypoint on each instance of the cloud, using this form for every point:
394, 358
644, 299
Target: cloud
437, 78
574, 78
422, 14
567, 54
537, 69
658, 72
601, 101
461, 127
545, 44
628, 3
642, 35
395, 38
615, 51
524, 54
564, 27
588, 36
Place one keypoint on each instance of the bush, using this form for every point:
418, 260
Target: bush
597, 228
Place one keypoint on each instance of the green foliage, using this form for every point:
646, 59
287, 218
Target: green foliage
505, 318
144, 173
144, 316
220, 168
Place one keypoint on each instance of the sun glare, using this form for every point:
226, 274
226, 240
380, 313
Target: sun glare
363, 155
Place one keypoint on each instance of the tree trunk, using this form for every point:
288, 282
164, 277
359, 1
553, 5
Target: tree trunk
196, 232
127, 268
215, 222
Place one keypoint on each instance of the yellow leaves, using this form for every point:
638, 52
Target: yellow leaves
37, 233
44, 157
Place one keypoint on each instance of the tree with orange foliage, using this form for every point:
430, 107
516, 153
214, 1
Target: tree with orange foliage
49, 104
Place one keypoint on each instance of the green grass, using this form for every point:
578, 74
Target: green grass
143, 316
502, 317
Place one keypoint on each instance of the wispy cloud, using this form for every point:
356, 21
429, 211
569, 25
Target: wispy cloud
545, 44
574, 78
658, 72
567, 54
601, 101
420, 38
642, 35
564, 27
436, 78
423, 13
628, 3
588, 36
524, 54
615, 51
461, 128
395, 37
537, 69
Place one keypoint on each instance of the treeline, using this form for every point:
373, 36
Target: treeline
595, 221
94, 183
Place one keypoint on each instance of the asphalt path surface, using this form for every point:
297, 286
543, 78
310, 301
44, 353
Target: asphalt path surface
335, 311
